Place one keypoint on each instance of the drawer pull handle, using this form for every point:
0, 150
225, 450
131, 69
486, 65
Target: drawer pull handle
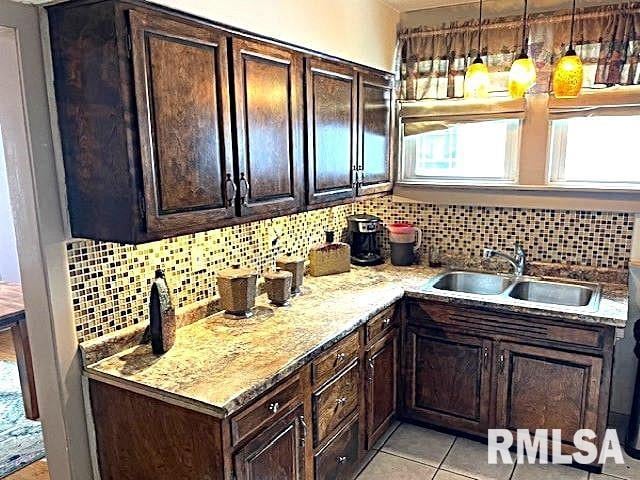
342, 460
341, 400
274, 407
340, 357
501, 362
386, 321
304, 430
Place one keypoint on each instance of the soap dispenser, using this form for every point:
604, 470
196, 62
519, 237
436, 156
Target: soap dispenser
329, 257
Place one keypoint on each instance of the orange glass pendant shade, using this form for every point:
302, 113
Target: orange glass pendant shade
568, 76
476, 80
522, 76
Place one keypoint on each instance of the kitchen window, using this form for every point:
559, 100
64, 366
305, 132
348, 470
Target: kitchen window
460, 142
595, 150
463, 151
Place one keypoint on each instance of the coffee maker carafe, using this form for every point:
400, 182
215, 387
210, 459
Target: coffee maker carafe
363, 230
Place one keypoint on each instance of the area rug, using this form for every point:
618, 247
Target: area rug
20, 439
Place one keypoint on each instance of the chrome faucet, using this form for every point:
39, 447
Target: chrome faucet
519, 261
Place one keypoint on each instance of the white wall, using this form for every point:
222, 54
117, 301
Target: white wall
9, 268
362, 31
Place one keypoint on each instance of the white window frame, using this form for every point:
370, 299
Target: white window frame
407, 176
555, 161
461, 111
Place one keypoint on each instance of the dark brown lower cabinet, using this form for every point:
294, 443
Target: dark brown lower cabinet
448, 379
547, 388
381, 382
277, 453
472, 369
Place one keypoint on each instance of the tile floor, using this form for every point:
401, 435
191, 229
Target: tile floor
409, 452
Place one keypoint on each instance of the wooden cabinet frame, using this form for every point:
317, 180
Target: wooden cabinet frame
145, 26
245, 51
338, 74
383, 83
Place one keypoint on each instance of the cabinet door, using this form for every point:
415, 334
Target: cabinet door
375, 127
546, 388
382, 360
331, 131
277, 453
447, 379
268, 103
182, 97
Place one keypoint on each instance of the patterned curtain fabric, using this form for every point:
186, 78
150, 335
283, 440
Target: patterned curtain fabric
433, 61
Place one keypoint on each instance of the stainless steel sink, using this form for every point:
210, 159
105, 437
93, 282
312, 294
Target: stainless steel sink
473, 282
556, 293
579, 296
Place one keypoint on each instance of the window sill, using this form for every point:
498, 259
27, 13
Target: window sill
512, 186
520, 196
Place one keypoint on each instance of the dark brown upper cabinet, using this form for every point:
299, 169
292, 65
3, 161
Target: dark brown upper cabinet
182, 99
269, 124
375, 132
331, 94
144, 114
171, 124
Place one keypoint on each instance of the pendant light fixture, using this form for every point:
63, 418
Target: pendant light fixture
476, 80
569, 73
523, 71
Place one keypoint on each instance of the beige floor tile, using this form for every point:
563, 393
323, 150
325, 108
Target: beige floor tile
629, 471
469, 458
419, 444
444, 475
528, 471
390, 467
381, 441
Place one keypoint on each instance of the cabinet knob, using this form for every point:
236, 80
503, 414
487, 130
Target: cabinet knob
274, 407
341, 400
342, 459
340, 357
386, 321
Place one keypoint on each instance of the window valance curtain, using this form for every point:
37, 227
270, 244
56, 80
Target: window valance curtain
433, 61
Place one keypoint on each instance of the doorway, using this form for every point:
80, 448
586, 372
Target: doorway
21, 439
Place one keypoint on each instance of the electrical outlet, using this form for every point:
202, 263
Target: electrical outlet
198, 259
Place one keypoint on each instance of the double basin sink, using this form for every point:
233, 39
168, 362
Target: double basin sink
578, 295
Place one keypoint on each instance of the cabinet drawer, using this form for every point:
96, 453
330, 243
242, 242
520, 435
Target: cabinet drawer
267, 409
335, 402
334, 360
339, 459
381, 323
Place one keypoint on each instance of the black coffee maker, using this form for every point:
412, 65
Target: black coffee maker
363, 239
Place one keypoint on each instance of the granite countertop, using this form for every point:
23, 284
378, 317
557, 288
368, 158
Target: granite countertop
218, 365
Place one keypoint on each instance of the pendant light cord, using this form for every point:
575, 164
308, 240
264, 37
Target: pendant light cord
573, 22
524, 28
480, 30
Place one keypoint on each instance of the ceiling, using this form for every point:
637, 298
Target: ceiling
408, 5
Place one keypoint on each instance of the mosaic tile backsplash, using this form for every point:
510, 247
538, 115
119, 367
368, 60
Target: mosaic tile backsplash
594, 239
110, 282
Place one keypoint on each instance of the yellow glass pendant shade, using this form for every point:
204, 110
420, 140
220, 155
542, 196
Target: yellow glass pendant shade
522, 76
476, 80
568, 76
